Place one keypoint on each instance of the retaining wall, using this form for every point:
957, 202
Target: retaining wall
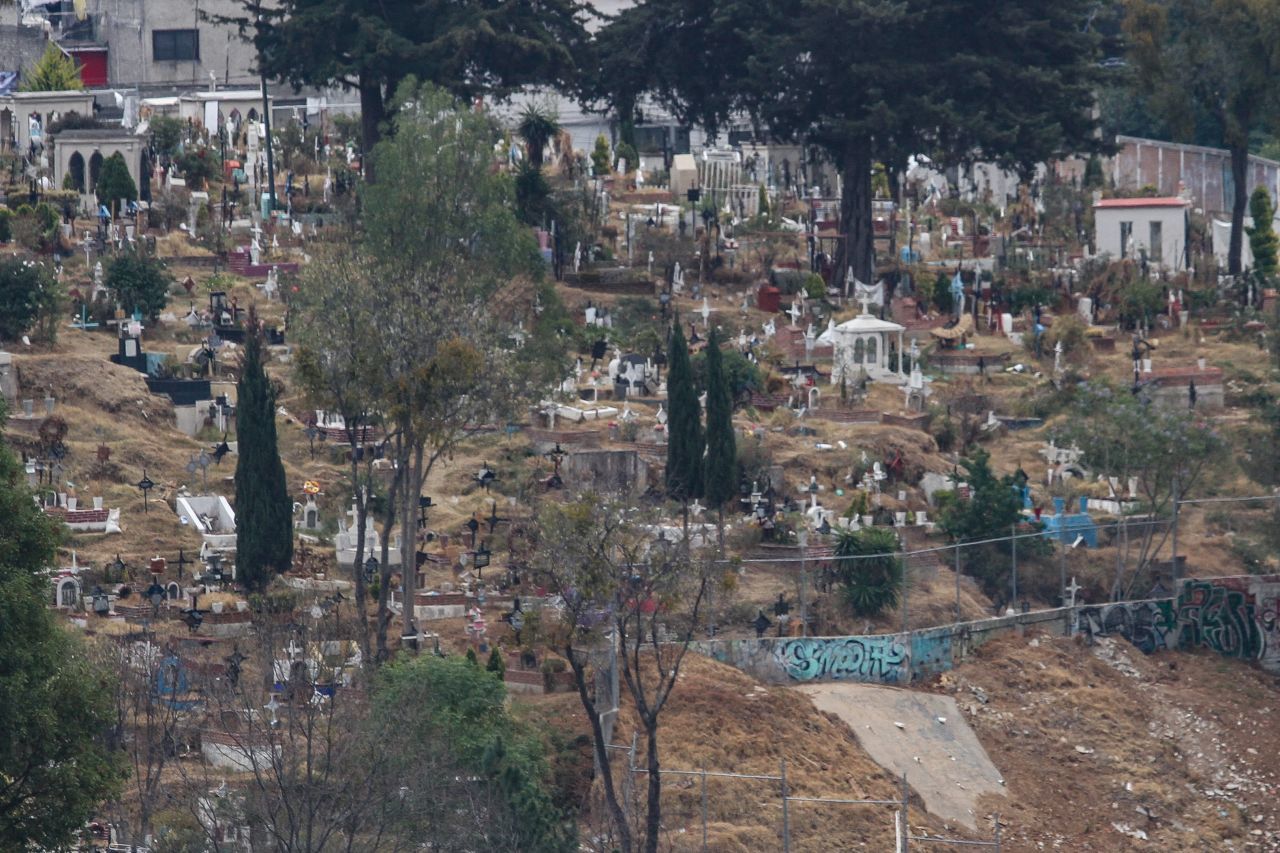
1237, 617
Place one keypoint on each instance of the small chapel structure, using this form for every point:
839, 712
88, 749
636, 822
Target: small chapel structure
862, 344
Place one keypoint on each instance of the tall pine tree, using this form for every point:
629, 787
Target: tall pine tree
684, 424
264, 513
720, 479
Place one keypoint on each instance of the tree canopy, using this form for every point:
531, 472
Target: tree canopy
140, 282
54, 72
115, 184
868, 81
54, 706
472, 49
1213, 58
264, 513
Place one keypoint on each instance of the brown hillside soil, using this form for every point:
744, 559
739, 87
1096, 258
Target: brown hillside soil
1105, 749
723, 720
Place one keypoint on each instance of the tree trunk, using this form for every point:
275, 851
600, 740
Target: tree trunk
1239, 177
601, 751
362, 519
373, 112
412, 488
653, 819
384, 592
856, 248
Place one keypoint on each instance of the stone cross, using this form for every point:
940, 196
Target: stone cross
865, 298
795, 313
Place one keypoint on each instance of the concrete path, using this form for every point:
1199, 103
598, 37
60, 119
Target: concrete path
921, 734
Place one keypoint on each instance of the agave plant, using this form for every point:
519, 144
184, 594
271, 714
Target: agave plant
538, 125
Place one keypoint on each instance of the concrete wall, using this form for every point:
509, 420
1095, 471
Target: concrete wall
1205, 173
1237, 617
126, 27
20, 47
882, 658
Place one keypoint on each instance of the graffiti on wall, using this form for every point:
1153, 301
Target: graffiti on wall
884, 659
1221, 616
1235, 617
1152, 626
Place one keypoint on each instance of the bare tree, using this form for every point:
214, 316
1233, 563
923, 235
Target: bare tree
629, 590
152, 703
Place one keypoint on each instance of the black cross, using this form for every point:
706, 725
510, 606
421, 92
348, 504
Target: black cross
146, 485
182, 561
493, 520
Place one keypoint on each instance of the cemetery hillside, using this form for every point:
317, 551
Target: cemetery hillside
637, 427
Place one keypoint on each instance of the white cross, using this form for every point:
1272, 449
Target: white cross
1071, 589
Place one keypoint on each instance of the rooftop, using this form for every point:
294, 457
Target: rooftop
1143, 202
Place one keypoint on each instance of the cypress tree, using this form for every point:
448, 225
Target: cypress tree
684, 424
720, 480
264, 513
1262, 236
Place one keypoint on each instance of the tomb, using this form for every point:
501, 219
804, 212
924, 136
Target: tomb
8, 378
346, 540
93, 519
862, 346
1068, 527
212, 517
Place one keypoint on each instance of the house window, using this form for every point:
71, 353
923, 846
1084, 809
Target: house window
1126, 235
1156, 246
175, 45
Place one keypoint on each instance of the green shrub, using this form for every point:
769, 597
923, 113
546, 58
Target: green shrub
601, 162
873, 583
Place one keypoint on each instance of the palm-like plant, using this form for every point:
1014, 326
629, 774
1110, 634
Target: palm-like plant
873, 582
538, 125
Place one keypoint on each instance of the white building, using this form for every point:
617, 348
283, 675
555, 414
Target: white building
862, 344
1138, 228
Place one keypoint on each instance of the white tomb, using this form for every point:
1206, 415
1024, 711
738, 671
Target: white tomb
212, 517
863, 344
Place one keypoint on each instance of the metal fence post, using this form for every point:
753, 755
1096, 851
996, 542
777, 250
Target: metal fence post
786, 818
997, 832
1013, 552
704, 810
906, 825
906, 624
957, 579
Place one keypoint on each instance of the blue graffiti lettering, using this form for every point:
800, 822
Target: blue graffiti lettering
882, 659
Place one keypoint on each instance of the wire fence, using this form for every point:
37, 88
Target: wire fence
1145, 551
692, 806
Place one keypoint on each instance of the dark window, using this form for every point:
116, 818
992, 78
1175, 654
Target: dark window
175, 45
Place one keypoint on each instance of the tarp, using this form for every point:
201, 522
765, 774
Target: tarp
1222, 243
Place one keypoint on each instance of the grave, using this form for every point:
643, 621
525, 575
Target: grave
92, 519
8, 379
346, 540
862, 346
1171, 387
212, 517
1067, 527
